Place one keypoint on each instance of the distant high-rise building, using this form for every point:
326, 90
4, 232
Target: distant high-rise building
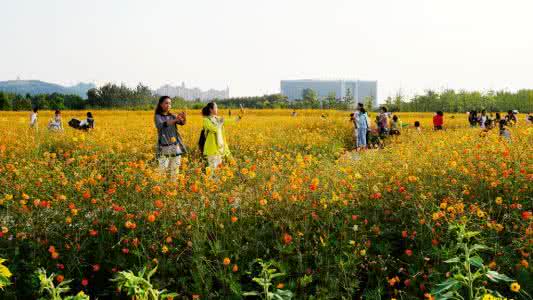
192, 93
359, 90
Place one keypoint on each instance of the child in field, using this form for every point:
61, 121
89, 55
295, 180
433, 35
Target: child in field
395, 126
33, 118
504, 131
55, 124
87, 123
438, 120
417, 127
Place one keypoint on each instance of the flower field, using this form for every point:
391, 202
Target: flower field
383, 224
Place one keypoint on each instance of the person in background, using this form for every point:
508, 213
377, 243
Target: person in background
215, 146
438, 120
33, 118
170, 146
510, 118
483, 119
293, 114
229, 113
55, 123
473, 119
497, 118
417, 127
504, 131
383, 120
87, 123
353, 121
395, 126
529, 118
362, 128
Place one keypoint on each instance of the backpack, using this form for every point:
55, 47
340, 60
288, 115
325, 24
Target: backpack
201, 141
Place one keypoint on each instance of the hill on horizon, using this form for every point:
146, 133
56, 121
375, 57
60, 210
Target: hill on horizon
35, 87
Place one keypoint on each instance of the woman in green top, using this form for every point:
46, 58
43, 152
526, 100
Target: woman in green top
215, 147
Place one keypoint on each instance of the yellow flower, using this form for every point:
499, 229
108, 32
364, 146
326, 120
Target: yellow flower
499, 200
5, 230
172, 139
8, 196
515, 287
4, 271
164, 249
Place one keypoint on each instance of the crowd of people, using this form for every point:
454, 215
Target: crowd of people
214, 147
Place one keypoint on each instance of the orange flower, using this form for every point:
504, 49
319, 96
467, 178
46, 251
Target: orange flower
234, 219
60, 278
151, 218
235, 268
226, 261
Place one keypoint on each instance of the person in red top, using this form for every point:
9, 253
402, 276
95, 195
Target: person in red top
438, 120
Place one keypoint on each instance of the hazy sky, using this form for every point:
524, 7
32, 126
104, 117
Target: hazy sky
250, 45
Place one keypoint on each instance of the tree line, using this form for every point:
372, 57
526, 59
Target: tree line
112, 96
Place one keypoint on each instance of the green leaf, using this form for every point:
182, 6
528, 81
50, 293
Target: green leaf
452, 260
253, 293
478, 247
476, 261
496, 277
445, 286
470, 234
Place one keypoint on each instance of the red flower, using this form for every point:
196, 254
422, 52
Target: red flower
404, 233
84, 282
408, 252
287, 239
407, 282
125, 250
526, 215
96, 267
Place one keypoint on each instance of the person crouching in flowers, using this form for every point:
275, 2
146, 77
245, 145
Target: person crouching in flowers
170, 146
215, 147
55, 124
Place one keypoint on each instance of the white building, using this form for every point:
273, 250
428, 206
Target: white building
192, 93
360, 90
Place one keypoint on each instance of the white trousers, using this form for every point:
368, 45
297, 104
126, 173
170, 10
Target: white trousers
214, 161
170, 165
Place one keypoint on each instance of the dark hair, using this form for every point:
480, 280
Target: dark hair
361, 105
498, 115
362, 110
35, 109
483, 111
440, 113
502, 123
57, 112
384, 109
417, 124
509, 112
89, 115
158, 109
206, 111
395, 118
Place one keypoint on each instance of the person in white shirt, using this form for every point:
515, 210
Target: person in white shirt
87, 123
55, 124
33, 118
483, 119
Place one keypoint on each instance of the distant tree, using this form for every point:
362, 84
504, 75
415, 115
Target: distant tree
369, 103
348, 97
309, 95
21, 103
5, 104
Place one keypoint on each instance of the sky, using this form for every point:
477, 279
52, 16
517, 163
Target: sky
250, 45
